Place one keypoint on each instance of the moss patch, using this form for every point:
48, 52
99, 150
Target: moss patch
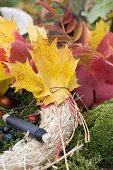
100, 123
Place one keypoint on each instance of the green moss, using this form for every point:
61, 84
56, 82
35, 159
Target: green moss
78, 162
25, 99
100, 123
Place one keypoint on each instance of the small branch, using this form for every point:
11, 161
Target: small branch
76, 16
27, 106
80, 98
69, 153
82, 6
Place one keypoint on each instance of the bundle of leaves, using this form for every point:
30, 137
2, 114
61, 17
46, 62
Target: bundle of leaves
94, 50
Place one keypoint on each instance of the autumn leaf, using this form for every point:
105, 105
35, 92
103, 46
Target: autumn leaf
8, 33
18, 52
55, 66
49, 8
96, 86
6, 28
85, 39
87, 84
48, 58
56, 69
100, 9
67, 9
105, 45
98, 34
5, 80
3, 57
26, 78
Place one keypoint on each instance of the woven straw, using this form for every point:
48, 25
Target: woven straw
35, 155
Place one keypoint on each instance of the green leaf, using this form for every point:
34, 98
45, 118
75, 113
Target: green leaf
100, 9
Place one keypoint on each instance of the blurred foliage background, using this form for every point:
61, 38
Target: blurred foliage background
11, 3
34, 11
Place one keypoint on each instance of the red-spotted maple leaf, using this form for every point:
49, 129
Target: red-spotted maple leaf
2, 56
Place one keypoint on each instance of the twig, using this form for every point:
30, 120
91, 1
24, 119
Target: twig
82, 6
23, 107
69, 153
80, 98
78, 17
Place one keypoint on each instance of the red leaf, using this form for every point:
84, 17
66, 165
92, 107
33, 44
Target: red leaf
19, 52
53, 28
86, 51
67, 19
102, 68
3, 57
78, 31
33, 66
103, 91
73, 46
86, 80
18, 36
96, 86
45, 5
78, 52
2, 54
60, 38
67, 9
71, 25
110, 59
84, 35
104, 46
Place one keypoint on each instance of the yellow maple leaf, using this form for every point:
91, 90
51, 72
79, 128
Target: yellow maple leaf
5, 80
6, 33
56, 69
26, 78
98, 34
